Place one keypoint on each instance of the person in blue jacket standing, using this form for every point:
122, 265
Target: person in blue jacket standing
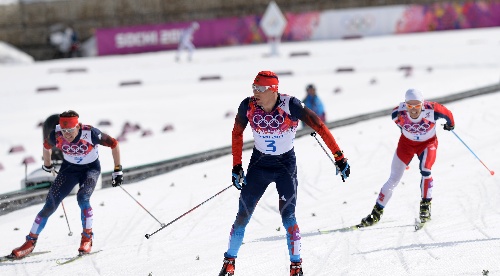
313, 102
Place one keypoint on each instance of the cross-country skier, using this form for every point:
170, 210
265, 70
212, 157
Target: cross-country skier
417, 120
78, 143
186, 41
273, 118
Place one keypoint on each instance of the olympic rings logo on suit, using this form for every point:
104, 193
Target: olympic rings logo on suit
268, 120
75, 149
417, 128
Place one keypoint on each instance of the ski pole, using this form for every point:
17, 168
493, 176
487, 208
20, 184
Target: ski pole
491, 172
165, 225
64, 209
313, 134
142, 206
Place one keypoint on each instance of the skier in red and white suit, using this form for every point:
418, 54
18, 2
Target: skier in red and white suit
417, 120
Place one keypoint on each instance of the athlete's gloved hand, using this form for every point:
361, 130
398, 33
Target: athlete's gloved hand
448, 127
343, 168
238, 178
50, 169
117, 176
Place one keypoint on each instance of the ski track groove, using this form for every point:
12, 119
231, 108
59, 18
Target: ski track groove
470, 217
142, 246
197, 220
23, 268
326, 256
46, 268
484, 194
426, 249
22, 265
308, 185
428, 233
488, 203
129, 226
162, 199
400, 254
95, 266
356, 245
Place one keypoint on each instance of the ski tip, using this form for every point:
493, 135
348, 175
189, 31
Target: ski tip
419, 224
9, 257
12, 257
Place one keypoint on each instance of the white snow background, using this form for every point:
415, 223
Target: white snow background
463, 237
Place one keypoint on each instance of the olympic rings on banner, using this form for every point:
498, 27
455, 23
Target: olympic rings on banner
358, 22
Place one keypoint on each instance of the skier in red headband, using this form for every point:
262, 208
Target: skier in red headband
79, 144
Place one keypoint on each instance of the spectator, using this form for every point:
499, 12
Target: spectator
65, 42
313, 102
55, 39
74, 48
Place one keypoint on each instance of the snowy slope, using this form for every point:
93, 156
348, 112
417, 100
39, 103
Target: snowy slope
462, 239
171, 93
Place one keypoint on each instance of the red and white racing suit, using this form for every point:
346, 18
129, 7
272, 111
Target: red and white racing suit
418, 136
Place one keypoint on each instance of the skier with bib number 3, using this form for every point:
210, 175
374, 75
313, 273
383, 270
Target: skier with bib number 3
78, 143
273, 118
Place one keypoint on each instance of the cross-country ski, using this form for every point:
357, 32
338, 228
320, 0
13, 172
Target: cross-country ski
64, 261
12, 258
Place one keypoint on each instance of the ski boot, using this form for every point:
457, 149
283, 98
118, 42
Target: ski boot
86, 242
425, 209
374, 217
296, 269
26, 248
228, 267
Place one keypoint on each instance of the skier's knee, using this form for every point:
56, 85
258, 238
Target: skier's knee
425, 173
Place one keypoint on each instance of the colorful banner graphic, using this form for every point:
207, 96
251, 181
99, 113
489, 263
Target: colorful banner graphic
329, 24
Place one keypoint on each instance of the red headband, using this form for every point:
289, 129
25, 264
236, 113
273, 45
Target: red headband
68, 122
266, 78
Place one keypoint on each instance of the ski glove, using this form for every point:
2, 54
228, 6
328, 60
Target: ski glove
448, 127
49, 169
238, 178
343, 168
117, 176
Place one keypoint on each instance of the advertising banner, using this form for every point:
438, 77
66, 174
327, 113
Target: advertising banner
211, 33
347, 23
329, 24
449, 16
